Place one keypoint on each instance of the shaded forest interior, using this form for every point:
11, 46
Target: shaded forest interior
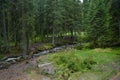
50, 23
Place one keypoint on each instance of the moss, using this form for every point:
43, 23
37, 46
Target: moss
45, 47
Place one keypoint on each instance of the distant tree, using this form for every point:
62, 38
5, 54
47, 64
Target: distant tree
96, 20
115, 21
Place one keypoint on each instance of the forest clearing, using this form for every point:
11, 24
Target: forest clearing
59, 39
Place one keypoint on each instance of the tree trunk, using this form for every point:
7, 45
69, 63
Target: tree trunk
53, 37
28, 41
5, 31
24, 39
0, 48
15, 39
7, 28
119, 27
71, 31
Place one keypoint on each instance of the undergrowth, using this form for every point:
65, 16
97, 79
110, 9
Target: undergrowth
69, 62
72, 61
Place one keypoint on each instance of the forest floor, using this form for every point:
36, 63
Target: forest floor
108, 67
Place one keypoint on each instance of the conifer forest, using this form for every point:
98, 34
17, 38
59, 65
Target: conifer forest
59, 39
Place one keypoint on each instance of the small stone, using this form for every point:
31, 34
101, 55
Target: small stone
47, 68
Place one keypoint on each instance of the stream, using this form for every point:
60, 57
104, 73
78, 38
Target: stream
6, 62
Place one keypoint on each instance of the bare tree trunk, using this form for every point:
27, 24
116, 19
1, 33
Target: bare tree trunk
71, 31
28, 41
24, 39
0, 48
119, 27
5, 31
15, 39
53, 37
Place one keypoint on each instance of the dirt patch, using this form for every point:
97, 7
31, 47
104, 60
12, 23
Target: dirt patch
90, 76
16, 71
34, 75
116, 77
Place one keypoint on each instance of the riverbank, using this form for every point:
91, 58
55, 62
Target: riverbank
69, 64
40, 50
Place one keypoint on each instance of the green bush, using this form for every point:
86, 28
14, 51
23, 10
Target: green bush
88, 45
103, 41
69, 63
88, 62
82, 37
84, 46
78, 47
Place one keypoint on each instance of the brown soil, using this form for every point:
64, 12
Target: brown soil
17, 71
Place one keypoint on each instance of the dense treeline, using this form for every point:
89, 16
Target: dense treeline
27, 21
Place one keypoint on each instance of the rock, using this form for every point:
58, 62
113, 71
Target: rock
41, 53
4, 65
57, 49
47, 68
44, 52
9, 59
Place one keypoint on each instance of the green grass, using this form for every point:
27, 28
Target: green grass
101, 56
72, 61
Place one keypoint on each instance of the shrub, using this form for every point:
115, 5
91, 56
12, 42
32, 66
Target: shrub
78, 46
88, 45
69, 63
84, 46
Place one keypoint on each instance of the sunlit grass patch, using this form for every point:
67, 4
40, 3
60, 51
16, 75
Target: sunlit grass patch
46, 46
69, 62
102, 50
72, 61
